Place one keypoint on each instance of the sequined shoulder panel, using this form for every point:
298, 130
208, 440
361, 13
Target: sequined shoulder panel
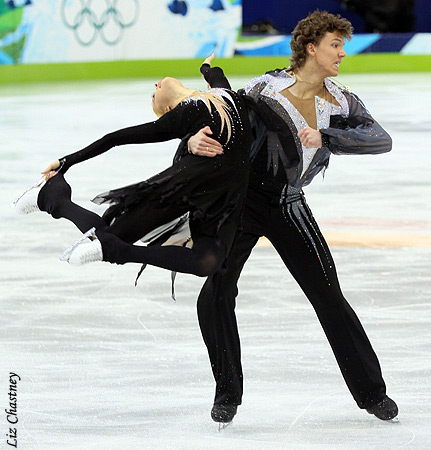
339, 96
257, 80
324, 108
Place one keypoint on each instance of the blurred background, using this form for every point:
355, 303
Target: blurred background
130, 33
367, 16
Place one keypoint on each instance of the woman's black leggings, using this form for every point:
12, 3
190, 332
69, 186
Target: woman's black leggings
204, 258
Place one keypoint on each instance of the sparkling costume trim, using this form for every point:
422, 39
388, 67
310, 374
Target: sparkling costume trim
296, 211
273, 85
293, 205
223, 95
324, 110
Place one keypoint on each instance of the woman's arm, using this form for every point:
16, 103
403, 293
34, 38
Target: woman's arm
163, 129
214, 76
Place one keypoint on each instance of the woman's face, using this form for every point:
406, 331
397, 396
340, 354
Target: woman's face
164, 94
328, 54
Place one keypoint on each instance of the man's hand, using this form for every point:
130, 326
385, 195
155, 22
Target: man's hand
202, 144
310, 138
50, 171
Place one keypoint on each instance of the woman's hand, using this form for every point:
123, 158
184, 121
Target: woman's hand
310, 138
202, 144
50, 171
209, 59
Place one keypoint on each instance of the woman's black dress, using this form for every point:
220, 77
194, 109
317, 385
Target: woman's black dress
212, 189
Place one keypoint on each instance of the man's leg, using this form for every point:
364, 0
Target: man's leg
216, 309
216, 313
297, 238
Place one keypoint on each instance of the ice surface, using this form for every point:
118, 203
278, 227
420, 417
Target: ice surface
105, 365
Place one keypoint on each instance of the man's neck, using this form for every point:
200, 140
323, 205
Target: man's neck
308, 83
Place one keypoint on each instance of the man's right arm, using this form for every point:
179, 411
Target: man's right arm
202, 144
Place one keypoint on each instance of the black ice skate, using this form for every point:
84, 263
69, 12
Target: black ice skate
223, 414
385, 409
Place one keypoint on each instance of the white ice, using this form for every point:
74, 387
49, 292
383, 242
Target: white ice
105, 365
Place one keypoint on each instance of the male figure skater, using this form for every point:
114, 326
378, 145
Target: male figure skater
300, 118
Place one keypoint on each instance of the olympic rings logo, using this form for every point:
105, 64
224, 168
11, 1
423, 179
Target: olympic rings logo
103, 18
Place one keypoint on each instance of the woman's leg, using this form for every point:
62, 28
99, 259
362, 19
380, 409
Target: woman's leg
204, 258
55, 199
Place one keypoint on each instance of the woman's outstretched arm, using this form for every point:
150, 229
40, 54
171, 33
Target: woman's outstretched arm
163, 129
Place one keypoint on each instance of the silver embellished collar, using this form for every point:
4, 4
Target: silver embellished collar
324, 108
284, 80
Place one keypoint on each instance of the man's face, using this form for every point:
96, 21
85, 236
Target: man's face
328, 54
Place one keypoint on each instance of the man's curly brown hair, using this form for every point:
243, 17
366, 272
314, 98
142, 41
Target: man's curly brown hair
312, 29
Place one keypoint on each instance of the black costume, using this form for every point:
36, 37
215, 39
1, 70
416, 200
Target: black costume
276, 208
212, 190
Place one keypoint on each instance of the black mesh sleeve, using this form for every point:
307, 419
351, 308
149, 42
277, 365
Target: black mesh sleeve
163, 129
357, 134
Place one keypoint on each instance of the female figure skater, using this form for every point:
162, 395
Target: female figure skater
212, 190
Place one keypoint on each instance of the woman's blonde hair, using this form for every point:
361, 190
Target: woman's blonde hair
212, 99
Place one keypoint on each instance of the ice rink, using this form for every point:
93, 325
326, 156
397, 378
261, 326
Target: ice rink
105, 365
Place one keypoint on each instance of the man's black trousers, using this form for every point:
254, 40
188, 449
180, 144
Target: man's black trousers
295, 235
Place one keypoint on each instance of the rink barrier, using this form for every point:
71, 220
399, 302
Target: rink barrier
247, 66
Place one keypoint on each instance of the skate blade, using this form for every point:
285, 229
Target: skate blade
65, 256
223, 425
38, 183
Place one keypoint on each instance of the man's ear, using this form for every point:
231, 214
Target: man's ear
311, 48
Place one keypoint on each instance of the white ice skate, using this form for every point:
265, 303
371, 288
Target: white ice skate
86, 253
26, 203
78, 255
